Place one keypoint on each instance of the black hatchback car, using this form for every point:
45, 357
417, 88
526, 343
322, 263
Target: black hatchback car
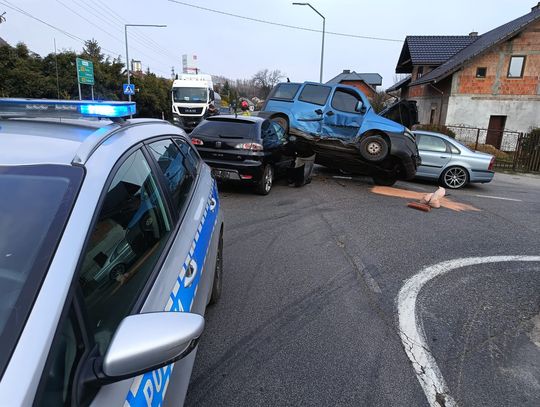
248, 149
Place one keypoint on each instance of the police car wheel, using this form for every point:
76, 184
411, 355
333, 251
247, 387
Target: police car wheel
218, 273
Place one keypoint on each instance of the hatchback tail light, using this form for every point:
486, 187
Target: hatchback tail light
491, 163
249, 146
197, 141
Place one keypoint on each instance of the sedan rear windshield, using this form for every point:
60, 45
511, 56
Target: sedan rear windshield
226, 129
34, 206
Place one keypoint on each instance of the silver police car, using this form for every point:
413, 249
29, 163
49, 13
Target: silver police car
110, 251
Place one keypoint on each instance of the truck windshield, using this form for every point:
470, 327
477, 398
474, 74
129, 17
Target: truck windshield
34, 206
190, 95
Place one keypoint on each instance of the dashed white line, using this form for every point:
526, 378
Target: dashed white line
412, 334
499, 197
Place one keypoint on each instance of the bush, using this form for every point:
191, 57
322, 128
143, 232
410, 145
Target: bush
437, 128
488, 148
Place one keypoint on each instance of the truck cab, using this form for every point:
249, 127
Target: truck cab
338, 124
193, 99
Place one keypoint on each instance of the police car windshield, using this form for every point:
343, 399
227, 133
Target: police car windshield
34, 206
190, 95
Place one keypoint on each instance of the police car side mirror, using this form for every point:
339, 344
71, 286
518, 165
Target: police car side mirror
146, 342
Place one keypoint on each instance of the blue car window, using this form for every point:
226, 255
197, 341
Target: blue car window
315, 94
174, 166
285, 91
129, 235
345, 101
429, 143
268, 134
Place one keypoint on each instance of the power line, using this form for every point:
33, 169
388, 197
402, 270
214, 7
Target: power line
295, 27
66, 33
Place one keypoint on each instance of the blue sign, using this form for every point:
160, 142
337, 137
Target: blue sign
129, 89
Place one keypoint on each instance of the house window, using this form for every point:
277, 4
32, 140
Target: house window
516, 67
481, 72
419, 72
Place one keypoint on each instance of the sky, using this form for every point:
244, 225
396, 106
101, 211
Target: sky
237, 48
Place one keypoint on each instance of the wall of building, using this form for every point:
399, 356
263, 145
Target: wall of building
431, 98
362, 86
474, 100
522, 112
497, 61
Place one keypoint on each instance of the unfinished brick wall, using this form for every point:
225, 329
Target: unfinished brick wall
497, 61
362, 86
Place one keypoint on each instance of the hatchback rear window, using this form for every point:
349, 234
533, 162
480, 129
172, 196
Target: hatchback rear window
284, 91
34, 206
225, 129
315, 94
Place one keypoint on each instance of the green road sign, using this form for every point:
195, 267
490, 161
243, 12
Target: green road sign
85, 71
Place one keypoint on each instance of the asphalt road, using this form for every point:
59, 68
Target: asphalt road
309, 312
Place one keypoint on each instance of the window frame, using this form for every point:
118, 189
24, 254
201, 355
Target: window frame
315, 85
522, 66
447, 148
477, 75
350, 92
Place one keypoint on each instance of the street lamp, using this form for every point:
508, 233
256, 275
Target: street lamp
323, 25
127, 54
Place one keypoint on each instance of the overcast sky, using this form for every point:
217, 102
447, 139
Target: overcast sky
237, 48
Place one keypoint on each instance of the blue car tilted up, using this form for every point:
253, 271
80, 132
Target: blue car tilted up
338, 124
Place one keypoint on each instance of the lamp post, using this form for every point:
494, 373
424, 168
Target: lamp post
127, 54
323, 30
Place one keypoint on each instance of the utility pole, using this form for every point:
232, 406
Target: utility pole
323, 31
127, 54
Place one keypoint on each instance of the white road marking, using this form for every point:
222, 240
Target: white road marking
411, 331
499, 197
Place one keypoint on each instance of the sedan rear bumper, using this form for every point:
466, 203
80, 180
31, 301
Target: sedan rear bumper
481, 176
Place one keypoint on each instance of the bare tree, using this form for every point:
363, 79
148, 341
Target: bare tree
265, 80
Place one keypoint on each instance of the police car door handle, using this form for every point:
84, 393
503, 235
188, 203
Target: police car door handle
212, 204
191, 272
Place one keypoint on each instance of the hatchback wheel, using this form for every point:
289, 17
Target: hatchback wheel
455, 177
265, 184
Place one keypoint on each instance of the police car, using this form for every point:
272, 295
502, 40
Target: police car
110, 251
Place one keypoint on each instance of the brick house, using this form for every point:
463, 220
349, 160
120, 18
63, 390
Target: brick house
486, 81
366, 82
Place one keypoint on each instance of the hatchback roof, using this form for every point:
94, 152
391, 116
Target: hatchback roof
237, 118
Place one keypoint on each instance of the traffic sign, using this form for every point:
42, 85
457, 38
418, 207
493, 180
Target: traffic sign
129, 89
85, 71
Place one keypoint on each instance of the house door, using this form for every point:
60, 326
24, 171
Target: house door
495, 131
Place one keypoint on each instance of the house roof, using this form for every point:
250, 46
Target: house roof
398, 85
3, 43
372, 79
482, 44
430, 50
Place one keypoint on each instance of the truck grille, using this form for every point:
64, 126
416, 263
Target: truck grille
190, 110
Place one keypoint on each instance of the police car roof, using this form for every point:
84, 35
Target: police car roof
51, 141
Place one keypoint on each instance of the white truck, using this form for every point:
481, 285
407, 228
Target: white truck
193, 99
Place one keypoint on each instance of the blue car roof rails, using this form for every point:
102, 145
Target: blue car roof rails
68, 109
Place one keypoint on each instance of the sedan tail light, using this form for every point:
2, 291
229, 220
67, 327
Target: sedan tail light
249, 146
197, 141
491, 163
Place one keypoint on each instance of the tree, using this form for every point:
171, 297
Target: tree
92, 51
265, 80
379, 100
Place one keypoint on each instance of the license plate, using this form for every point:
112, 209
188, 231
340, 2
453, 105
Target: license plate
222, 174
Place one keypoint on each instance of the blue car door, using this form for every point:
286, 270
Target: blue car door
309, 108
343, 116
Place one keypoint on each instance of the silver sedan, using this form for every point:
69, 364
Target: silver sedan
450, 162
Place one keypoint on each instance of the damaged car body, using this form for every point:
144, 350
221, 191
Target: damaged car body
338, 124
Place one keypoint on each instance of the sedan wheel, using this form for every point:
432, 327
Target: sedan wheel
455, 177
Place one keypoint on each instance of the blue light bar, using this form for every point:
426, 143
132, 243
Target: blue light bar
65, 108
